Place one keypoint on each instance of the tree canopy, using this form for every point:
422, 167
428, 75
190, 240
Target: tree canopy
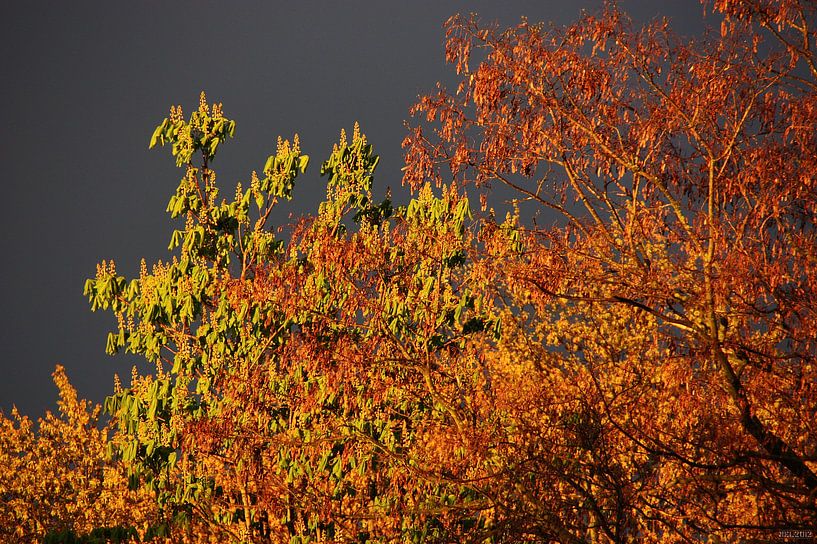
630, 354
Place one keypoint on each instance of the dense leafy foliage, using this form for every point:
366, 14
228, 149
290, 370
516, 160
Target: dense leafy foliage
668, 315
56, 482
628, 356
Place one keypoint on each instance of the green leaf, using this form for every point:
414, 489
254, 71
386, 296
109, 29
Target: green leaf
157, 134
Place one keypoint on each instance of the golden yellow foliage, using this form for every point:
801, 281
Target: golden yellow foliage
641, 369
55, 477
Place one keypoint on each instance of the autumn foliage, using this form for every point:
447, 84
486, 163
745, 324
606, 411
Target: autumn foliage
675, 291
629, 355
56, 479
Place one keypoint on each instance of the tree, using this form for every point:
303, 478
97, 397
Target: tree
640, 368
306, 377
666, 318
56, 481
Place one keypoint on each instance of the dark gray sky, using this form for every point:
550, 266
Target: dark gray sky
85, 83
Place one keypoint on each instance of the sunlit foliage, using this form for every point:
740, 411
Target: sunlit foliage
629, 355
666, 320
57, 482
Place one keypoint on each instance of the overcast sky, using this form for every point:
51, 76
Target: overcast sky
84, 84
